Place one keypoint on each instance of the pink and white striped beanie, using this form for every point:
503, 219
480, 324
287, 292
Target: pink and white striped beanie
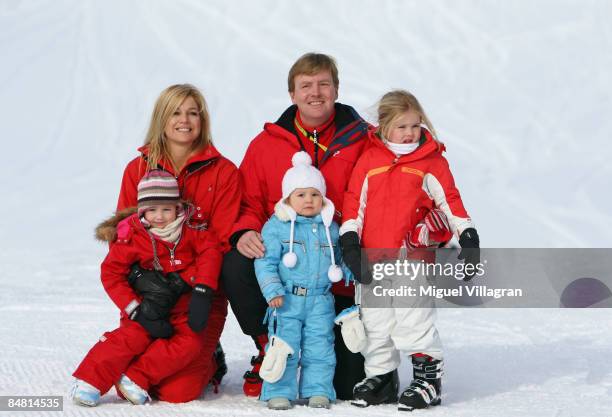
157, 187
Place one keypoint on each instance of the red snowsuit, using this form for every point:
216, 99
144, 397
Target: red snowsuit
269, 156
153, 363
212, 184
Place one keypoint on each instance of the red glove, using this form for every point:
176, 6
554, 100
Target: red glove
419, 237
431, 231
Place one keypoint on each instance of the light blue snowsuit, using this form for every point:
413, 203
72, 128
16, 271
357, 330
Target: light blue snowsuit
305, 322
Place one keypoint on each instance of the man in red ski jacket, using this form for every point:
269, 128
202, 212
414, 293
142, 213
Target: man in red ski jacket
335, 136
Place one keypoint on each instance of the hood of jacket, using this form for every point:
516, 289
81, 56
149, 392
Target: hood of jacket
285, 213
107, 230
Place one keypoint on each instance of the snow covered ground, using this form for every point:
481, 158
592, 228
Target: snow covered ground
520, 92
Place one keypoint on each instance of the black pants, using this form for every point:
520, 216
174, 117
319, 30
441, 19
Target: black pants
243, 292
249, 306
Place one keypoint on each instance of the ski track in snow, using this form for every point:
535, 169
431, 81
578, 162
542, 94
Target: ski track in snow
519, 92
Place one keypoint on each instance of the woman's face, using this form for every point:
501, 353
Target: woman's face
183, 127
406, 128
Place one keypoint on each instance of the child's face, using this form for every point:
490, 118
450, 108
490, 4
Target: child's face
406, 128
160, 215
306, 201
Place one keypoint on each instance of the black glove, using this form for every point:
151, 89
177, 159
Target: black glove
156, 288
199, 307
470, 250
351, 253
147, 316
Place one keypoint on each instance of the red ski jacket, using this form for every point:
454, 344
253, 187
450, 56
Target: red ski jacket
209, 181
388, 195
269, 156
196, 257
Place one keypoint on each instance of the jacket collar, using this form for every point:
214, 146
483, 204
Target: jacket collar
203, 157
350, 128
427, 147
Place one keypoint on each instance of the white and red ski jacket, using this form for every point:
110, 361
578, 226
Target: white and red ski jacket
388, 195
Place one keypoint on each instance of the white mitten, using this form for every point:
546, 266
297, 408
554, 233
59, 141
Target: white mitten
275, 361
352, 329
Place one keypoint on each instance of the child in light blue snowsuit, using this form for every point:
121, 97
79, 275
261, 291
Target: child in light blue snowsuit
301, 262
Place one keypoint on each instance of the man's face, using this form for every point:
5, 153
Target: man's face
315, 96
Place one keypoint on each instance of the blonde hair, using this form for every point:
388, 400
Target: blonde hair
167, 103
393, 104
310, 64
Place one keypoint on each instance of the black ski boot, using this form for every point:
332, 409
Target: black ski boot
379, 389
426, 388
219, 356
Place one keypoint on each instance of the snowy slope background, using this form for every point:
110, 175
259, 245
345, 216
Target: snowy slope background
520, 92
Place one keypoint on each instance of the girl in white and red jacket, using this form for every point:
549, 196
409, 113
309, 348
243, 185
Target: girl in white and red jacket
402, 195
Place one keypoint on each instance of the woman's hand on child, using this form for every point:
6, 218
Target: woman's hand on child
276, 302
251, 245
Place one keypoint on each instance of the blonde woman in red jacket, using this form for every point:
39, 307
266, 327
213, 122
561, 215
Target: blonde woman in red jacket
179, 141
401, 194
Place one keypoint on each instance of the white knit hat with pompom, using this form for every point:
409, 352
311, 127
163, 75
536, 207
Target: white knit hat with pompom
302, 175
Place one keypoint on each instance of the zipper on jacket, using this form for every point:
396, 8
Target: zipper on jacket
297, 242
315, 139
172, 250
315, 230
325, 245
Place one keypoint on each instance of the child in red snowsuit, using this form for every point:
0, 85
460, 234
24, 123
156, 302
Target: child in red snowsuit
161, 317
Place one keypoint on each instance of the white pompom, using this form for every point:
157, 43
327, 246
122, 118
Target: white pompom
334, 273
301, 158
289, 259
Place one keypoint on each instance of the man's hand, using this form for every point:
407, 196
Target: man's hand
251, 245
